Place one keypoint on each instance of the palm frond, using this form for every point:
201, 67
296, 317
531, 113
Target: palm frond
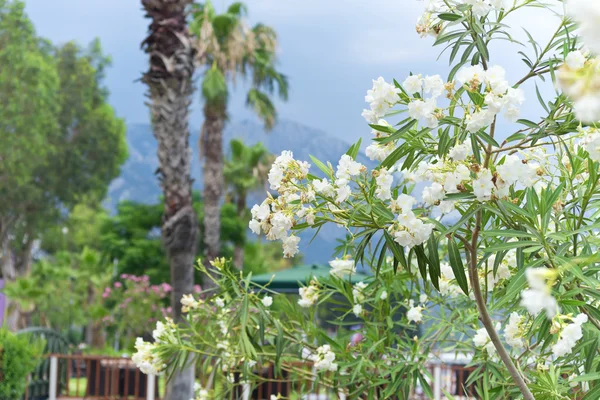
262, 106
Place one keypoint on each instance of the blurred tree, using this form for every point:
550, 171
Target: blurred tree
61, 142
226, 47
245, 171
29, 93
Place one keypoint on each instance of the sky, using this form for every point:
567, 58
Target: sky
330, 50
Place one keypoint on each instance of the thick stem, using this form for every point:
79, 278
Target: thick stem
212, 148
487, 320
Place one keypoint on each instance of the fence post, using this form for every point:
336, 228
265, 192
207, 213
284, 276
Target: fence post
53, 378
150, 385
437, 382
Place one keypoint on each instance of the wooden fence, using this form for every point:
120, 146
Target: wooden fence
103, 378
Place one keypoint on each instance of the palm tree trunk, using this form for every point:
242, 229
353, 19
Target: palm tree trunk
169, 80
238, 251
212, 148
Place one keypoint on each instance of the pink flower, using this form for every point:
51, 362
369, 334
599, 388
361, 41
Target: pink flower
197, 289
166, 287
118, 284
356, 338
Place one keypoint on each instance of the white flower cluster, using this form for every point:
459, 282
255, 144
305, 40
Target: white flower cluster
275, 217
201, 393
380, 151
482, 340
324, 359
145, 359
481, 8
447, 286
359, 296
425, 110
579, 78
591, 142
309, 294
161, 333
587, 13
429, 24
415, 313
407, 229
342, 267
188, 303
569, 336
381, 97
502, 273
499, 95
514, 331
539, 297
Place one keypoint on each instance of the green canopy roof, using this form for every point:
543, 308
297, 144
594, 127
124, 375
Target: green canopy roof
289, 280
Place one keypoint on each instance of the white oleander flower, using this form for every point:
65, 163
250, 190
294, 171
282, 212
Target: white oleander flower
479, 8
380, 98
342, 191
587, 13
483, 185
413, 84
145, 358
348, 167
324, 187
403, 203
383, 295
290, 246
254, 226
358, 292
324, 359
415, 313
267, 301
591, 143
342, 267
575, 60
460, 152
513, 332
357, 310
433, 85
479, 120
220, 302
538, 297
188, 303
308, 295
482, 340
384, 182
473, 75
433, 194
569, 336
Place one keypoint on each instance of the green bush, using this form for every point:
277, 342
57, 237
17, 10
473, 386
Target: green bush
18, 358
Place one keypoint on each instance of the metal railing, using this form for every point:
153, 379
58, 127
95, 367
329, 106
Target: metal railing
96, 377
115, 378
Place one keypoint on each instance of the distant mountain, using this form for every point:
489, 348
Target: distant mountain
138, 182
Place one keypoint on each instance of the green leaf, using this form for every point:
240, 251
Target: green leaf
422, 260
322, 166
434, 261
509, 246
457, 266
449, 17
353, 150
482, 48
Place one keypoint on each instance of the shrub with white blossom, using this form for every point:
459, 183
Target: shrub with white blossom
480, 227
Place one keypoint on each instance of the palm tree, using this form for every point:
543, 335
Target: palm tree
245, 170
169, 81
227, 47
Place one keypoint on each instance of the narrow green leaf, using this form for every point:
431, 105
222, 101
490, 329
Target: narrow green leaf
457, 266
